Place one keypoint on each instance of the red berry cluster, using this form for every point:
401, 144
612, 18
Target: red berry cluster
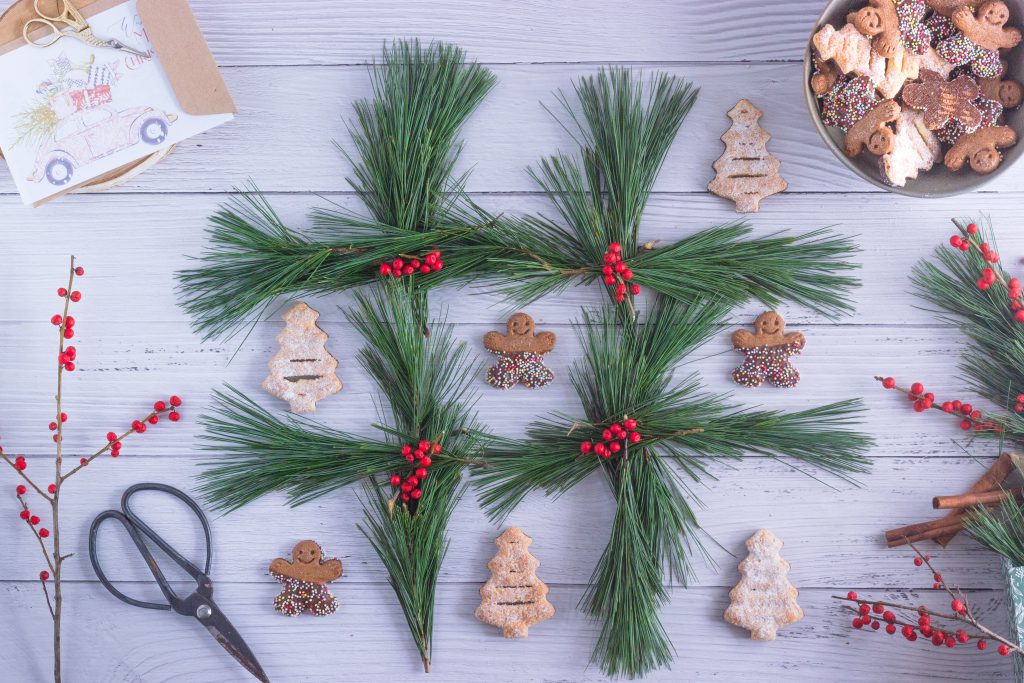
613, 439
616, 273
32, 520
990, 276
399, 267
970, 417
872, 615
419, 454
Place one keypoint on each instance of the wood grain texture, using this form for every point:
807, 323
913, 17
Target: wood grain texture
295, 76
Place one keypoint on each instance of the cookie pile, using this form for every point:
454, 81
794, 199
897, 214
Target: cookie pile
908, 79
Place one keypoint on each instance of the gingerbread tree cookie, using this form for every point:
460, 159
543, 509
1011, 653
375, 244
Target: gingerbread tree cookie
915, 149
302, 372
304, 580
520, 354
764, 600
767, 353
747, 173
514, 599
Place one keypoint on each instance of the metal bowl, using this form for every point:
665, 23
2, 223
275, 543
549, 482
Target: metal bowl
940, 181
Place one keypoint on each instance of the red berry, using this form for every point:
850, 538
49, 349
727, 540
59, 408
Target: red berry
396, 480
53, 426
1004, 649
409, 458
406, 487
956, 241
982, 645
413, 481
982, 285
24, 514
159, 406
615, 248
966, 408
438, 265
635, 437
70, 321
926, 631
609, 280
616, 428
70, 367
175, 401
83, 462
950, 641
153, 419
33, 520
620, 298
44, 533
865, 609
421, 473
52, 488
919, 406
56, 320
890, 629
416, 494
878, 608
44, 575
876, 625
965, 425
111, 437
425, 461
917, 388
79, 271
937, 639
600, 449
962, 636
408, 270
889, 382
437, 448
20, 465
857, 623
68, 333
630, 424
21, 490
972, 228
614, 447
1019, 316
607, 435
889, 617
634, 290
173, 416
62, 292
405, 497
586, 447
947, 407
918, 561
988, 275
76, 296
424, 269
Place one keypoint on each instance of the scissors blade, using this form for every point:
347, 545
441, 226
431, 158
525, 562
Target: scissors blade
118, 45
225, 634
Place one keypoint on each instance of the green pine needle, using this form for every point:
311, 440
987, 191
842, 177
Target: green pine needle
1001, 530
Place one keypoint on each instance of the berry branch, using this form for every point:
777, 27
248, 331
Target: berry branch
971, 418
66, 359
873, 612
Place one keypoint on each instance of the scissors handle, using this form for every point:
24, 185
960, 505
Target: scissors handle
139, 532
67, 14
52, 36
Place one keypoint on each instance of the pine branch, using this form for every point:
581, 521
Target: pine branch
624, 128
262, 453
406, 141
993, 360
1001, 530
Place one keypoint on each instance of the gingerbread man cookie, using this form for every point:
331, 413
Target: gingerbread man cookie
981, 148
871, 131
879, 20
947, 7
966, 39
767, 353
826, 75
304, 580
1008, 93
943, 101
988, 29
520, 354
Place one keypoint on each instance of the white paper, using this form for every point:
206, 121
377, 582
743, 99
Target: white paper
72, 112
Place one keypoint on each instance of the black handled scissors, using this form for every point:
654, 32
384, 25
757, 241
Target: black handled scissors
200, 603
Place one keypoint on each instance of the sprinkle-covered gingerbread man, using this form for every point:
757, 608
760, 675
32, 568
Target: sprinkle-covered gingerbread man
520, 354
304, 580
767, 353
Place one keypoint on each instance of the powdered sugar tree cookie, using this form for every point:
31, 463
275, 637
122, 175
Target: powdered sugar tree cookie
747, 172
302, 372
514, 599
764, 600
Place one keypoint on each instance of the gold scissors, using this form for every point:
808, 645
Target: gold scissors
69, 23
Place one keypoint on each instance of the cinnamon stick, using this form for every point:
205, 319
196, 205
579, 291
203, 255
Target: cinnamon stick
967, 500
992, 479
914, 532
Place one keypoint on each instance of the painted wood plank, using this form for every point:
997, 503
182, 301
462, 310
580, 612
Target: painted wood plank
352, 31
108, 641
832, 530
143, 240
120, 375
283, 147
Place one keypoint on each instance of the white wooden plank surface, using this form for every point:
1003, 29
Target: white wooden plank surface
294, 76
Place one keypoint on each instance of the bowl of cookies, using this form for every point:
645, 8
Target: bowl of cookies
920, 97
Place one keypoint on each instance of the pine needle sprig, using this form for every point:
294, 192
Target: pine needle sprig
993, 361
626, 373
261, 453
625, 127
1001, 530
